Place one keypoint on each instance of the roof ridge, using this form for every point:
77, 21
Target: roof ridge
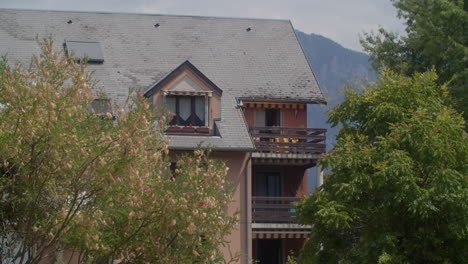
143, 14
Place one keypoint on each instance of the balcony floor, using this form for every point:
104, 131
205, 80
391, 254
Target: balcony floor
275, 226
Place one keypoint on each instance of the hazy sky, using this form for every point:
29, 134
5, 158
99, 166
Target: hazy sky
340, 20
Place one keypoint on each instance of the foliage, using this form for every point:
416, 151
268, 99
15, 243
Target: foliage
435, 37
290, 259
94, 187
398, 191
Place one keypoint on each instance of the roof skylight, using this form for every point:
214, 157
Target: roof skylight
90, 50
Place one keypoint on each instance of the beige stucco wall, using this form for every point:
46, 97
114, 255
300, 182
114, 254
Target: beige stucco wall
240, 179
239, 239
239, 175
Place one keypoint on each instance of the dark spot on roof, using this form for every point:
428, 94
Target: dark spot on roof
248, 29
69, 21
156, 25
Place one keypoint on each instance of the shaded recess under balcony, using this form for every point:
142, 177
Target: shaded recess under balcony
288, 145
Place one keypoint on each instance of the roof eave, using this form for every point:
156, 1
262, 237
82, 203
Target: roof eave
221, 149
284, 100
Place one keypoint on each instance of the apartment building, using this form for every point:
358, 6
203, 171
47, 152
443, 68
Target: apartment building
238, 86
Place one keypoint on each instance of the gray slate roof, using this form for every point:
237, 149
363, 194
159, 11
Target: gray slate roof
266, 62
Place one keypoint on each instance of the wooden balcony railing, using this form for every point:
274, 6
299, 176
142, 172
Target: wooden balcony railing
273, 209
289, 140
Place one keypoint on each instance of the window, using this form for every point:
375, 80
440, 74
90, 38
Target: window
267, 184
90, 50
173, 167
267, 117
187, 110
101, 106
272, 117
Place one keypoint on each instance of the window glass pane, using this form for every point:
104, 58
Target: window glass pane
267, 184
260, 117
261, 185
184, 107
272, 117
274, 185
200, 108
85, 49
101, 106
171, 104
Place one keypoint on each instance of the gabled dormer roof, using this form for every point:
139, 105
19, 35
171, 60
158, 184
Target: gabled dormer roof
181, 69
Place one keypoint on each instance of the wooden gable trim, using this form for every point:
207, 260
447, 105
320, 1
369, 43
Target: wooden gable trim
178, 71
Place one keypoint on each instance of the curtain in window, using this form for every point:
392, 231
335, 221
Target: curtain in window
171, 104
267, 184
260, 118
274, 185
200, 108
184, 107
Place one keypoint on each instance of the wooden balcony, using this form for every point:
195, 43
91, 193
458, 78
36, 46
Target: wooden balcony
289, 140
274, 209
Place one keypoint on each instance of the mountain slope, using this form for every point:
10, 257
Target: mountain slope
334, 66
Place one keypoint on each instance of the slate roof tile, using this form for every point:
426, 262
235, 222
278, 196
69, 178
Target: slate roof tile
265, 62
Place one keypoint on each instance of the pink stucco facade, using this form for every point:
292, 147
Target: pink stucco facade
243, 175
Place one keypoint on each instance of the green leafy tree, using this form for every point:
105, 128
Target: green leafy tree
78, 187
435, 37
398, 187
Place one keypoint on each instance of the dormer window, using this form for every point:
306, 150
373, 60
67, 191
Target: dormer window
191, 97
187, 110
